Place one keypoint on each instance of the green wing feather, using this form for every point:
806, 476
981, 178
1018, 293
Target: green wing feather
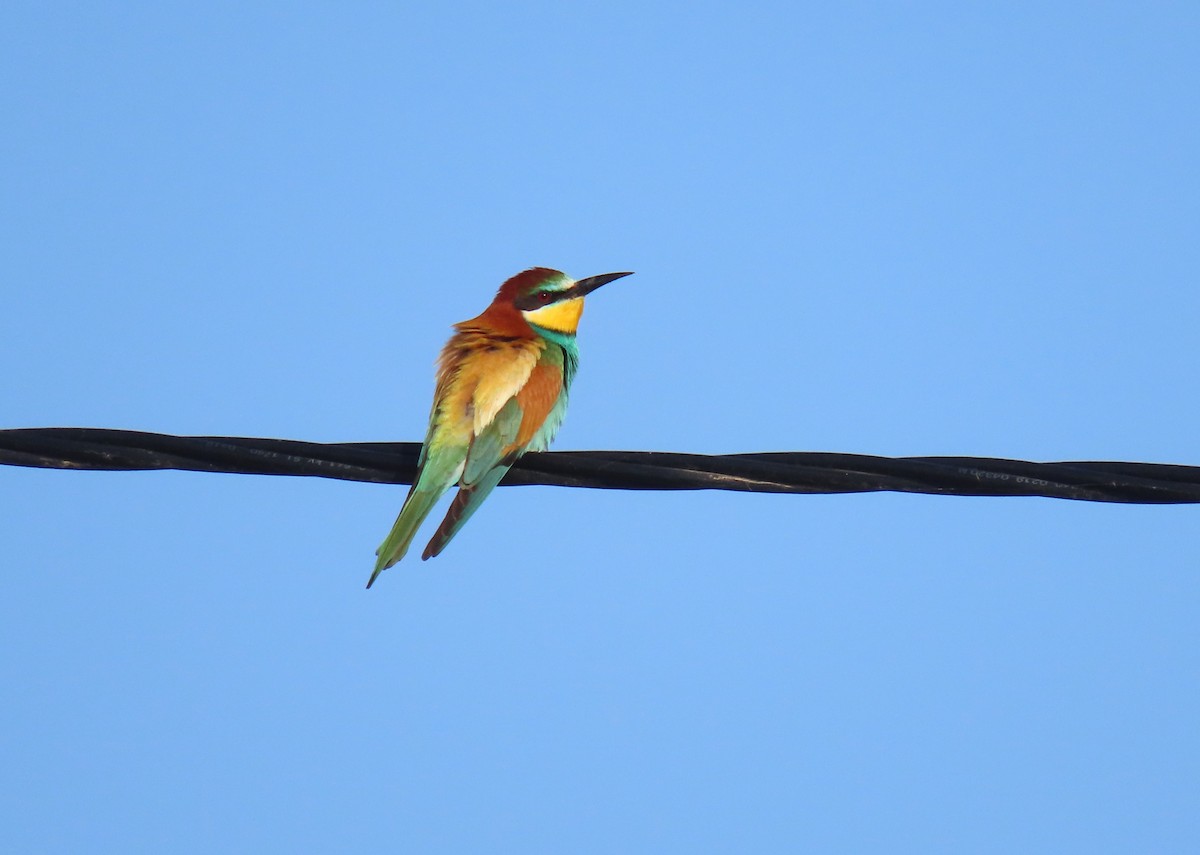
490, 456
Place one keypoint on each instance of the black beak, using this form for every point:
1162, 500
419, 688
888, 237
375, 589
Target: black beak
587, 286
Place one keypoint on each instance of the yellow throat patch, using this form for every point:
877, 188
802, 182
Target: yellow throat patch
562, 317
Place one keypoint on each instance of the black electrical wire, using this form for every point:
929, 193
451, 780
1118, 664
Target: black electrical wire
770, 472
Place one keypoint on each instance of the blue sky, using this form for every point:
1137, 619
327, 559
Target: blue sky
875, 228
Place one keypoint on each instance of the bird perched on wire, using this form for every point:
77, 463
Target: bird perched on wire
502, 384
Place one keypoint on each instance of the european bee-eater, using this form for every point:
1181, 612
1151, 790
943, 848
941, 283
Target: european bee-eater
502, 384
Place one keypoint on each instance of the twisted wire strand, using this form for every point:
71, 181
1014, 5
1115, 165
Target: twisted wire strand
768, 472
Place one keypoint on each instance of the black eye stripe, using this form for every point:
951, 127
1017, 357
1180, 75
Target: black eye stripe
540, 299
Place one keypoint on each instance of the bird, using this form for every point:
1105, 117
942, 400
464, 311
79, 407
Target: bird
502, 384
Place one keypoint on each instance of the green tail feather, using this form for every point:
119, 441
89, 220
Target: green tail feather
465, 503
416, 507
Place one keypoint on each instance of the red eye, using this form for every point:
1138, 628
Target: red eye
544, 297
